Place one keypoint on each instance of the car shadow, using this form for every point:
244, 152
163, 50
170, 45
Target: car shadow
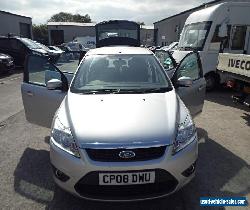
219, 173
11, 72
223, 96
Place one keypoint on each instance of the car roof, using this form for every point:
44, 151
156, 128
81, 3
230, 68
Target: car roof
125, 50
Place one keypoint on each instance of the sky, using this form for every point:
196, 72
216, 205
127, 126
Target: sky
147, 11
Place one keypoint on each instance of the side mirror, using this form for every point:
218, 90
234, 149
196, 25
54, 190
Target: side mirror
223, 31
184, 82
54, 84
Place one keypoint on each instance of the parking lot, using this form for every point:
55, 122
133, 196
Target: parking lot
26, 178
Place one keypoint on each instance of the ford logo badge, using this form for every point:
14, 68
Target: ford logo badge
126, 154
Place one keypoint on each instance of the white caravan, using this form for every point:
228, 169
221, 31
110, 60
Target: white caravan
221, 28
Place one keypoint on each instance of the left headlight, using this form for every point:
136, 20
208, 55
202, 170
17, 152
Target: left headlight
63, 138
186, 134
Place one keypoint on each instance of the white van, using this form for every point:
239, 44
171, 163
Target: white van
221, 28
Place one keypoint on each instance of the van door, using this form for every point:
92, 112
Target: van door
238, 39
194, 95
41, 103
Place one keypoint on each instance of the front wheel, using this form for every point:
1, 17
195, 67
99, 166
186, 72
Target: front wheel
211, 81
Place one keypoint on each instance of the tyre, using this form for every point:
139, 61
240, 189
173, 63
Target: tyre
211, 81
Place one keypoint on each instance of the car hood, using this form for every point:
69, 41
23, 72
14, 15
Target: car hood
121, 120
40, 50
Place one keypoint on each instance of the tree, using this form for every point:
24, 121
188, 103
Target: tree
140, 23
40, 33
68, 17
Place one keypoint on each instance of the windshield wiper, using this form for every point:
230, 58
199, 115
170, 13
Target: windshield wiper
146, 90
101, 91
127, 91
188, 48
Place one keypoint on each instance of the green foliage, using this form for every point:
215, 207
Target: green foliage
68, 17
141, 23
40, 33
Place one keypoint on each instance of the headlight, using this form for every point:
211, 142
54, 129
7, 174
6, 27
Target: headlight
62, 138
186, 134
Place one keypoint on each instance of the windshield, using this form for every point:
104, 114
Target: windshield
30, 44
42, 46
120, 73
194, 36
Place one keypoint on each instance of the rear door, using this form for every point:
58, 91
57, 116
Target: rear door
40, 103
192, 96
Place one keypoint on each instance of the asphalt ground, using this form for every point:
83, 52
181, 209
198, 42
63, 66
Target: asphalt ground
26, 179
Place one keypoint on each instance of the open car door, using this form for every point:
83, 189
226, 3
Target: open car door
45, 85
190, 83
183, 67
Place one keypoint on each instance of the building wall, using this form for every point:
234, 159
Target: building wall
147, 36
70, 32
168, 30
10, 23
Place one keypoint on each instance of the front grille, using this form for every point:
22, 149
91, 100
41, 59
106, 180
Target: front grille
89, 187
112, 155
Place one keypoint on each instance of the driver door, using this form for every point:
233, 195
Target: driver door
41, 103
194, 95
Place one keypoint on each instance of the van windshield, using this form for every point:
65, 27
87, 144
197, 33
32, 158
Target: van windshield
194, 35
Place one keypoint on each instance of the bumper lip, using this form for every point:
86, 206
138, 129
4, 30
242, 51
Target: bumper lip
178, 187
77, 168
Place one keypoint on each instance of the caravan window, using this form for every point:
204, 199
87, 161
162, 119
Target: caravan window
216, 37
238, 39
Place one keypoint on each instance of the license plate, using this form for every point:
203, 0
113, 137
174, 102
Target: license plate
131, 178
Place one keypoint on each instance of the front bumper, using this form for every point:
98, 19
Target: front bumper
83, 174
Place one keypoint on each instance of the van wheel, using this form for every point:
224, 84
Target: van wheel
211, 81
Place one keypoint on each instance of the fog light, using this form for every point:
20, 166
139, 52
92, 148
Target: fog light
59, 174
190, 170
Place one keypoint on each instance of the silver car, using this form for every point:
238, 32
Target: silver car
122, 130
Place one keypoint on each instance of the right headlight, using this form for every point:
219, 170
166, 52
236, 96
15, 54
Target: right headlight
186, 134
62, 137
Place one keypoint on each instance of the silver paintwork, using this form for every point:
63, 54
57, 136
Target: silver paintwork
122, 118
116, 121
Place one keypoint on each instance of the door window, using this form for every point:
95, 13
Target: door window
40, 70
238, 39
189, 67
68, 62
165, 59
